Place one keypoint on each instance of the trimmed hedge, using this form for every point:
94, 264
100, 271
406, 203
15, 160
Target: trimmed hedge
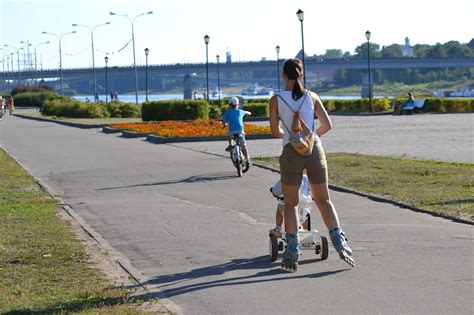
175, 110
34, 99
258, 109
67, 107
358, 105
122, 110
449, 105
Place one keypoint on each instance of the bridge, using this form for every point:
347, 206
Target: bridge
264, 72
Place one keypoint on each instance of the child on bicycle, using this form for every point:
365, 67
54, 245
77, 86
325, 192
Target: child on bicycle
305, 206
235, 117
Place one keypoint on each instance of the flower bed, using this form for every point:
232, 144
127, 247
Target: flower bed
195, 128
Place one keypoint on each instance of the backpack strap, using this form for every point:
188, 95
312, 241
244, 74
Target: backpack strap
284, 101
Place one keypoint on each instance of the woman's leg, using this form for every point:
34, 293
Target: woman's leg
328, 212
291, 195
323, 201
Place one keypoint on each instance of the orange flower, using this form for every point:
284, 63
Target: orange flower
195, 128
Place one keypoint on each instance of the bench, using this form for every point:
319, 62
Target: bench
416, 106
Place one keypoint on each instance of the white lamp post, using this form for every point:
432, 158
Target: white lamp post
133, 42
91, 30
36, 64
60, 37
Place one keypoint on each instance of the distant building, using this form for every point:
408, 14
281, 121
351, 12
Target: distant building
300, 55
228, 57
407, 50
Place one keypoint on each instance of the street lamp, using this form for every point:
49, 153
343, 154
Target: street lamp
277, 48
106, 87
91, 30
60, 37
147, 51
36, 64
206, 40
16, 50
300, 15
367, 35
218, 80
26, 55
133, 42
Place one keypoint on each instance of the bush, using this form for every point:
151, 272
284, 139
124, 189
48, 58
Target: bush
31, 88
128, 110
257, 109
358, 105
67, 107
113, 108
449, 105
122, 110
216, 112
34, 99
175, 110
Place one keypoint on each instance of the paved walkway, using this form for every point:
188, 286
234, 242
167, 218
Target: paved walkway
446, 137
190, 226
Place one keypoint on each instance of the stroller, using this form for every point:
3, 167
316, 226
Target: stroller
309, 238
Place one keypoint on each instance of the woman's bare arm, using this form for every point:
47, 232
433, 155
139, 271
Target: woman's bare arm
277, 131
323, 117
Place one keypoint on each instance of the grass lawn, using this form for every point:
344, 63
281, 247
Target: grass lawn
432, 185
398, 89
43, 267
89, 121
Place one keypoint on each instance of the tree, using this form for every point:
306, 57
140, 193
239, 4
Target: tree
437, 52
421, 50
361, 51
392, 51
333, 54
455, 49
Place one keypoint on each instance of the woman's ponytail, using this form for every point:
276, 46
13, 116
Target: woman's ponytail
293, 69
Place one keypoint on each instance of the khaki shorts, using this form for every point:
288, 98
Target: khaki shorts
292, 165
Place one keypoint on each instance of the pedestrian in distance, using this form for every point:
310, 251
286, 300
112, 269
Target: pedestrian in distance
408, 103
10, 105
302, 150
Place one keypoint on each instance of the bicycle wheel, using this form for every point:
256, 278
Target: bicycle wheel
238, 160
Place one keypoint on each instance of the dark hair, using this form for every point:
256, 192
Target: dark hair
293, 69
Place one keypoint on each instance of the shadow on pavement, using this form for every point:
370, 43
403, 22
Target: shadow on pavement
262, 262
188, 180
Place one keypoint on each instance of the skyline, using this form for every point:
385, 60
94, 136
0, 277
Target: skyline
248, 30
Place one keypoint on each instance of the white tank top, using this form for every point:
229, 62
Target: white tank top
286, 114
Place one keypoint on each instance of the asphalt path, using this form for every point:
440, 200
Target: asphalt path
191, 227
444, 137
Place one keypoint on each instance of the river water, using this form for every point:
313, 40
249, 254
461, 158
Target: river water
166, 97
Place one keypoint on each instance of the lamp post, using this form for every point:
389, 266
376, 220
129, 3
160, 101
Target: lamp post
300, 15
26, 55
60, 37
16, 50
218, 80
277, 48
91, 30
133, 43
367, 35
206, 40
36, 64
106, 87
147, 51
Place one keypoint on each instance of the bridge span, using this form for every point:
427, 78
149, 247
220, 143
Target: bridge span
230, 73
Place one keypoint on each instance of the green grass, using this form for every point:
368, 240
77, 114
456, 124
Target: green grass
88, 121
432, 185
43, 267
399, 89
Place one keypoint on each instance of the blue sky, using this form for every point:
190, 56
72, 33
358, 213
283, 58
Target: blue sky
249, 29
